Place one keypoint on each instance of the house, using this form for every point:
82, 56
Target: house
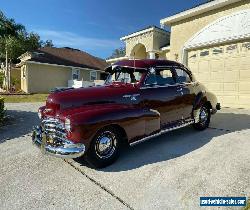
50, 67
212, 39
15, 76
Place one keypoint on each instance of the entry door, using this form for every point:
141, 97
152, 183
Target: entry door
160, 93
185, 89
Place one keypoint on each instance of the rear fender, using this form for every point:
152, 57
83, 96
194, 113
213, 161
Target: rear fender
203, 98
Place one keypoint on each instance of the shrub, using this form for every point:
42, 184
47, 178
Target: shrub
2, 111
1, 79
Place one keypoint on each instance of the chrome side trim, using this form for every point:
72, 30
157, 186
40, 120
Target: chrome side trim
175, 85
161, 132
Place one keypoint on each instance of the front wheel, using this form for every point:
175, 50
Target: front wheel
105, 148
204, 118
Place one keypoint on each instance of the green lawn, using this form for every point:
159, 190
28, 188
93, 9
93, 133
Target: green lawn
25, 98
248, 206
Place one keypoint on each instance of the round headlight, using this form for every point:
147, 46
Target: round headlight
67, 124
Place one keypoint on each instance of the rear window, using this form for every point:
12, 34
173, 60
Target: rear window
182, 76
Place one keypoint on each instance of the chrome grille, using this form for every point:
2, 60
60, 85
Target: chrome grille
54, 130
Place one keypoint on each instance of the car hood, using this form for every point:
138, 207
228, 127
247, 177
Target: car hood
70, 99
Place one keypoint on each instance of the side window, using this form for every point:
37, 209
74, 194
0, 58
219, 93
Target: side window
232, 48
217, 51
93, 75
151, 80
246, 46
160, 77
204, 53
75, 74
182, 76
165, 77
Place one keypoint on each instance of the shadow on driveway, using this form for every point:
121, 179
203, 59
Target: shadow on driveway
169, 146
177, 143
21, 124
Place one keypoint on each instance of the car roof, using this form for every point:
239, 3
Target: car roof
144, 64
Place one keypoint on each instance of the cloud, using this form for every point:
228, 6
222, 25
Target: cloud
69, 39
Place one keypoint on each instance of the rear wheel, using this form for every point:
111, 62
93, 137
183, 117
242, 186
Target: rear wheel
204, 118
105, 148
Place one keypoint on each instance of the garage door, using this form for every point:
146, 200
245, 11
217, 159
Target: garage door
225, 70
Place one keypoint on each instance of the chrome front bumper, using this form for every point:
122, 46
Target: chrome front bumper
67, 149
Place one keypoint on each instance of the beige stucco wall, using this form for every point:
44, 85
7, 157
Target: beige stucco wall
16, 77
152, 41
183, 30
146, 40
164, 55
42, 78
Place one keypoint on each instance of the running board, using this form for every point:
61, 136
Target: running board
162, 132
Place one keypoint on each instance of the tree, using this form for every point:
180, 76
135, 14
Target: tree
9, 26
120, 52
48, 43
1, 78
14, 41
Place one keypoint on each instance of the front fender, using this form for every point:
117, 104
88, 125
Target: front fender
135, 121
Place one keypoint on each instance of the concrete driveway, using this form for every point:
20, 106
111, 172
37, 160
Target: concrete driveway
169, 172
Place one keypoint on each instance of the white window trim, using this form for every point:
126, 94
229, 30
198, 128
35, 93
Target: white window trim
23, 72
90, 75
75, 71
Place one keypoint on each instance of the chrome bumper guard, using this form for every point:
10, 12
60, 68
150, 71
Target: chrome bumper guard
67, 149
217, 107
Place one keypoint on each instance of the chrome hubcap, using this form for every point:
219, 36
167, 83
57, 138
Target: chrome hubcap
203, 115
105, 145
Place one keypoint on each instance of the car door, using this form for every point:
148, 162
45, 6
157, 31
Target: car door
185, 88
160, 93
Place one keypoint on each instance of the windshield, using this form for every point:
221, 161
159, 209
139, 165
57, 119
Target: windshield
124, 75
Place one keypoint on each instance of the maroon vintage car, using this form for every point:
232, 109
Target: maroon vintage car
141, 99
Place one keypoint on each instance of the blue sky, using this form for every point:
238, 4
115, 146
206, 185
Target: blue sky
94, 26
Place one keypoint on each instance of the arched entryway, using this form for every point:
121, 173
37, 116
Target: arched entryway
139, 52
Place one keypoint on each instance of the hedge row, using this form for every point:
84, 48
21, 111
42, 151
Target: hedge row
1, 110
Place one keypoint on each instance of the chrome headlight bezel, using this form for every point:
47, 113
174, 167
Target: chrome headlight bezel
67, 124
39, 113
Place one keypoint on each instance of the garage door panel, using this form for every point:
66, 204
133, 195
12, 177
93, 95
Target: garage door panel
244, 75
245, 100
231, 76
203, 67
204, 77
226, 75
217, 65
244, 86
232, 63
233, 87
230, 99
245, 63
217, 76
215, 86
